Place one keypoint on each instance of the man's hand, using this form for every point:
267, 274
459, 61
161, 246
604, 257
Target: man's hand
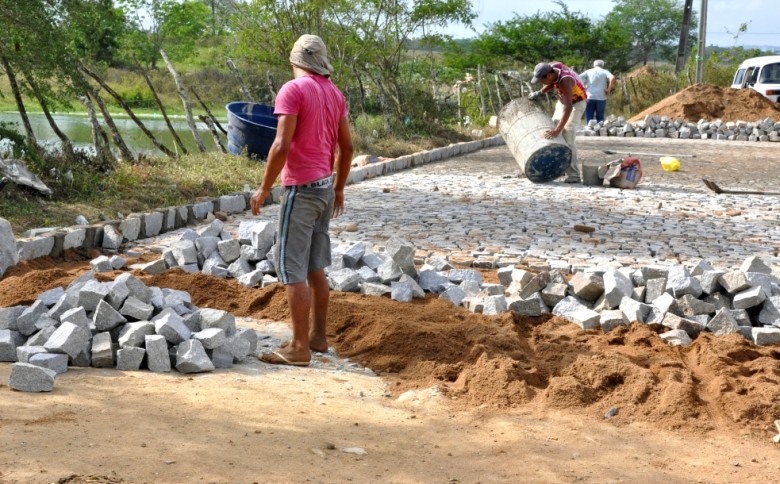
535, 95
552, 133
338, 206
258, 199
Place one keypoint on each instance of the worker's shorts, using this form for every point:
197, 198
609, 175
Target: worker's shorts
303, 243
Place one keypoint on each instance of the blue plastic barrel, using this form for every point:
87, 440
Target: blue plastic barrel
251, 126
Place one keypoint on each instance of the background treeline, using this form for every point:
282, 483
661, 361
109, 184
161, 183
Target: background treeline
402, 77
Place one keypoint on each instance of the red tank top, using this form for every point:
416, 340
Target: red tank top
578, 92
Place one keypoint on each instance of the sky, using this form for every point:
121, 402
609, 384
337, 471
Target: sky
723, 16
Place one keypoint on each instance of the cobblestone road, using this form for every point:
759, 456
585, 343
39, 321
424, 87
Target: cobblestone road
477, 206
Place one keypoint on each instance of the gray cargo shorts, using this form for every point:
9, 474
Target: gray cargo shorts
303, 242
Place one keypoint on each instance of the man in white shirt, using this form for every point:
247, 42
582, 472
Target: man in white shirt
599, 83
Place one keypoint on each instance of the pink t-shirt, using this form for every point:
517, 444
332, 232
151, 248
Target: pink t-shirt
319, 106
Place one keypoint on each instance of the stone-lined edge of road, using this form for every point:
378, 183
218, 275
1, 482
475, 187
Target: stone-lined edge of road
110, 235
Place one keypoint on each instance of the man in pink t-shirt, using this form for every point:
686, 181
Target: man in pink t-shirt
312, 124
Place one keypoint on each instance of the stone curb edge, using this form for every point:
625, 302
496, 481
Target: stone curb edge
110, 235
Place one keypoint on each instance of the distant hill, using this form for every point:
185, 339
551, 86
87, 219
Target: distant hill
766, 48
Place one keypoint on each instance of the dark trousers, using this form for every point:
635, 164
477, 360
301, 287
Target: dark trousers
595, 109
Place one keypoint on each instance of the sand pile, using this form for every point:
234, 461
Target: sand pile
705, 101
717, 382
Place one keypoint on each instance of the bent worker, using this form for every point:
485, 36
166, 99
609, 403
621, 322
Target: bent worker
312, 124
568, 109
598, 83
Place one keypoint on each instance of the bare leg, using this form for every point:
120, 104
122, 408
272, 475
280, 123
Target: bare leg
320, 295
299, 301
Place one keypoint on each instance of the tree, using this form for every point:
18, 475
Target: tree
145, 33
94, 28
367, 39
654, 26
184, 26
41, 50
568, 36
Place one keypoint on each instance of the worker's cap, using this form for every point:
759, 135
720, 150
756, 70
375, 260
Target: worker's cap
541, 70
310, 53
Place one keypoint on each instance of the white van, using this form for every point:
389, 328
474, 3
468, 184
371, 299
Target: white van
761, 74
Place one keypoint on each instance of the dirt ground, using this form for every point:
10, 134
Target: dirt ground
459, 397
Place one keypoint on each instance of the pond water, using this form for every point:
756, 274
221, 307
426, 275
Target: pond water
79, 129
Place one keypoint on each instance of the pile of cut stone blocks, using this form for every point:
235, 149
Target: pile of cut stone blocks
685, 300
654, 126
213, 251
119, 324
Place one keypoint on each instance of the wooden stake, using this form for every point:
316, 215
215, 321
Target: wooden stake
478, 87
232, 67
271, 86
185, 100
498, 92
208, 111
214, 134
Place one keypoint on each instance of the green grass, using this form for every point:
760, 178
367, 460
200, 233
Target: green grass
146, 185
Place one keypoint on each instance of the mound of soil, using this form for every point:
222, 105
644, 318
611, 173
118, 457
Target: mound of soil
498, 362
641, 71
709, 102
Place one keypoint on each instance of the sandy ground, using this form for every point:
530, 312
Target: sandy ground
461, 398
256, 423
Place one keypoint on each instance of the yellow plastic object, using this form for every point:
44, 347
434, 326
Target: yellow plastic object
669, 163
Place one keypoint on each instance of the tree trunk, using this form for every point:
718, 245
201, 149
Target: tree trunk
31, 141
237, 74
175, 135
185, 100
208, 111
382, 94
99, 138
129, 111
362, 89
67, 145
271, 86
214, 134
127, 155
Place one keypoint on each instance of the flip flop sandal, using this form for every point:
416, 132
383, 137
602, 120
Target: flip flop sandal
277, 358
285, 344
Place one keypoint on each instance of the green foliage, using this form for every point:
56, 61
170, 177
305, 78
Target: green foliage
567, 36
94, 28
720, 64
185, 25
653, 25
367, 40
177, 27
